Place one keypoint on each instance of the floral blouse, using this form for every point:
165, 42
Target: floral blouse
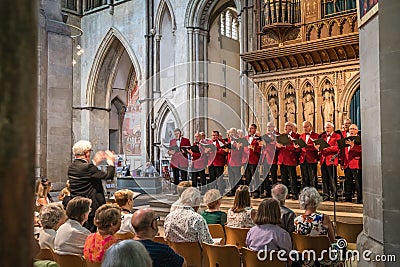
310, 224
240, 219
96, 245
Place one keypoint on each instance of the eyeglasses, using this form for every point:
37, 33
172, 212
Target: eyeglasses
156, 219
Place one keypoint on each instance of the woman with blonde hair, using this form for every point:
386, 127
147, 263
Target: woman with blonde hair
43, 193
108, 221
241, 214
213, 213
124, 199
267, 232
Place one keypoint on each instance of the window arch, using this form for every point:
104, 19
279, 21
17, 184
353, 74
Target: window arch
229, 25
335, 7
355, 114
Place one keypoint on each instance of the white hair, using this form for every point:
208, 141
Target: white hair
310, 198
81, 147
279, 192
191, 197
211, 196
330, 124
126, 253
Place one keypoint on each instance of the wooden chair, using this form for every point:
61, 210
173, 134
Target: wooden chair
128, 235
217, 231
349, 232
45, 254
313, 243
250, 259
222, 255
73, 260
93, 264
191, 251
236, 236
160, 239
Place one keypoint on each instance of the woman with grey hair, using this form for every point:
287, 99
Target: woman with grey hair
51, 217
126, 253
312, 222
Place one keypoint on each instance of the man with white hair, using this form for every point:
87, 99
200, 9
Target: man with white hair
279, 192
329, 161
85, 178
184, 224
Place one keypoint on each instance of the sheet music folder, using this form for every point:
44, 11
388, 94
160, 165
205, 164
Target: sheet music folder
300, 142
283, 139
322, 143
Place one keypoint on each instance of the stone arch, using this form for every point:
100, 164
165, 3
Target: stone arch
307, 102
290, 102
346, 27
165, 5
313, 33
334, 28
107, 57
324, 30
328, 100
348, 92
321, 84
166, 108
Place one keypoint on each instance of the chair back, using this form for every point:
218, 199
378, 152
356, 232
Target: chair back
349, 231
250, 259
191, 251
217, 231
160, 239
312, 243
236, 236
128, 235
73, 260
45, 254
93, 264
222, 255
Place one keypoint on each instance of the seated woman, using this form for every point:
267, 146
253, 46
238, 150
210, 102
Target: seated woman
51, 217
71, 236
213, 213
267, 232
182, 186
124, 199
312, 222
43, 198
108, 221
241, 214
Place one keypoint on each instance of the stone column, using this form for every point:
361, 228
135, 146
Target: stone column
18, 79
54, 125
380, 97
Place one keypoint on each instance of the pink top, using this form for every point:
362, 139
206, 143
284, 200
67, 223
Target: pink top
96, 245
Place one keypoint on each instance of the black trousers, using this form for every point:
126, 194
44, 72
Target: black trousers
329, 180
289, 176
216, 174
350, 175
269, 171
273, 171
250, 172
308, 174
201, 174
179, 172
235, 176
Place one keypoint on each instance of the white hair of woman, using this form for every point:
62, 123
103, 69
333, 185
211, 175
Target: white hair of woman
310, 198
81, 147
52, 215
126, 253
191, 197
279, 192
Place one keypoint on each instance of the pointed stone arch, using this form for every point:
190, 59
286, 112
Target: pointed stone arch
321, 84
107, 57
162, 113
165, 5
348, 92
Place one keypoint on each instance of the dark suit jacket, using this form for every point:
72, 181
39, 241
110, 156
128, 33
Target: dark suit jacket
310, 153
85, 180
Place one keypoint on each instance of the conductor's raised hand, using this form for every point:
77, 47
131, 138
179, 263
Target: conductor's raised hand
99, 157
110, 155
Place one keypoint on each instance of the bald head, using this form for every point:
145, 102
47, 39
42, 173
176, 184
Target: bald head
142, 219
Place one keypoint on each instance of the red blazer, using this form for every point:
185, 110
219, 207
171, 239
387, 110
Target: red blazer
254, 154
235, 155
218, 157
310, 153
287, 155
179, 159
270, 151
327, 153
352, 158
199, 159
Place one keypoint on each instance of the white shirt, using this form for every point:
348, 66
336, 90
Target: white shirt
70, 238
185, 225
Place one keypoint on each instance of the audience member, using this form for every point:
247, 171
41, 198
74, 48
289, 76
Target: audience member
71, 236
85, 178
124, 199
312, 222
144, 222
213, 213
108, 221
126, 253
65, 194
182, 186
279, 193
43, 193
267, 233
241, 214
184, 224
51, 217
